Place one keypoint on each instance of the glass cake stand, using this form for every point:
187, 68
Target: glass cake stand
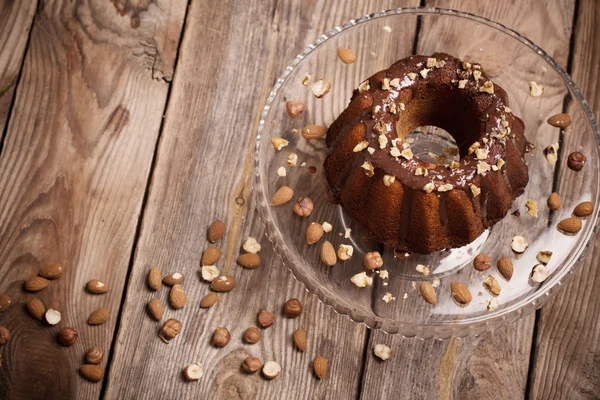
512, 61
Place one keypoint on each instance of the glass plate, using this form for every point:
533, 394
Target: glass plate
511, 61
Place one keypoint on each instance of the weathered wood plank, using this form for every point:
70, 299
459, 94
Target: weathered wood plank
567, 345
494, 365
16, 18
73, 172
203, 168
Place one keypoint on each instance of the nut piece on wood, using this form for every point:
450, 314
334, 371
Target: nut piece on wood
570, 225
299, 338
36, 284
492, 285
99, 316
91, 372
346, 55
211, 255
554, 202
5, 302
460, 293
266, 318
282, 196
505, 267
51, 271
216, 230
193, 372
209, 300
177, 297
223, 284
249, 260
314, 232
382, 351
251, 335
155, 309
36, 308
271, 370
67, 337
321, 87
303, 207
95, 355
175, 278
373, 260
482, 262
313, 131
294, 108
52, 316
154, 279
584, 209
4, 335
560, 120
170, 330
320, 366
221, 337
328, 255
576, 161
251, 364
97, 287
428, 292
292, 308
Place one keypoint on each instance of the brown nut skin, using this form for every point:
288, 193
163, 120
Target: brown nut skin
303, 207
294, 108
4, 335
576, 161
95, 355
221, 337
51, 271
292, 308
251, 335
93, 373
209, 300
266, 318
249, 260
216, 231
5, 302
299, 338
482, 262
211, 255
373, 260
170, 329
554, 202
584, 209
67, 337
251, 365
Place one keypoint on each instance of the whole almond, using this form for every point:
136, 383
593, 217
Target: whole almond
155, 309
51, 271
249, 260
282, 196
36, 308
223, 284
99, 316
570, 225
95, 355
209, 300
584, 209
154, 279
461, 293
314, 232
5, 302
97, 287
505, 267
91, 372
328, 255
554, 201
294, 108
216, 231
175, 278
428, 292
177, 296
346, 55
36, 284
211, 255
560, 120
320, 366
266, 318
299, 338
313, 131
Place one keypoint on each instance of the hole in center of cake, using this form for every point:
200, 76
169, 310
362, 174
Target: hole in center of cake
433, 144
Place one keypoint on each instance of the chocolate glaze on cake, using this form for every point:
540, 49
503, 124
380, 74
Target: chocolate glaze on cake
415, 205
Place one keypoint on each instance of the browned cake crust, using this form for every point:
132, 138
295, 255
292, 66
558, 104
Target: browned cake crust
415, 205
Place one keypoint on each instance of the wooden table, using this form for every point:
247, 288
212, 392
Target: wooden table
126, 127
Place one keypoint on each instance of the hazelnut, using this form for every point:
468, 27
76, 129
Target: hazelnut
221, 337
67, 336
5, 301
251, 365
251, 335
482, 262
193, 372
294, 108
292, 308
4, 335
576, 161
303, 206
373, 260
95, 355
266, 318
170, 329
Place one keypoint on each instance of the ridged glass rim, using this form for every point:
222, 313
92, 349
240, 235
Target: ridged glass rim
439, 330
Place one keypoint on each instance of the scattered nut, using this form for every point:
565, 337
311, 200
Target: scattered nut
505, 267
216, 230
251, 335
423, 269
299, 338
97, 287
52, 316
539, 273
303, 206
249, 260
95, 355
176, 278
251, 245
209, 272
154, 279
570, 225
576, 161
482, 262
314, 232
282, 196
313, 131
194, 371
535, 89
221, 337
99, 316
560, 120
251, 364
373, 260
223, 284
36, 308
519, 244
294, 108
177, 296
382, 351
428, 292
328, 255
492, 304
492, 285
320, 366
460, 293
292, 308
346, 55
155, 309
209, 300
36, 284
321, 87
51, 271
584, 209
532, 208
93, 373
345, 252
544, 256
551, 153
170, 329
554, 202
306, 80
279, 143
67, 337
362, 280
266, 318
4, 335
5, 302
210, 256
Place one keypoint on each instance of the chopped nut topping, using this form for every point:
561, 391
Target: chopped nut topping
370, 150
387, 29
487, 87
492, 285
423, 269
544, 256
436, 282
500, 163
462, 83
393, 108
475, 190
481, 154
383, 141
431, 62
345, 252
482, 167
281, 172
395, 152
382, 351
454, 164
395, 83
385, 85
407, 153
360, 146
388, 297
474, 147
292, 159
251, 245
368, 167
539, 273
519, 244
476, 75
424, 73
375, 110
347, 233
507, 110
402, 106
326, 227
380, 127
551, 153
388, 180
384, 274
429, 187
411, 76
535, 89
363, 87
446, 187
419, 171
532, 208
492, 304
306, 80
279, 143
362, 280
466, 65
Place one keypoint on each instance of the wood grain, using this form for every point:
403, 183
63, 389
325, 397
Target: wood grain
73, 170
203, 173
567, 345
16, 18
474, 367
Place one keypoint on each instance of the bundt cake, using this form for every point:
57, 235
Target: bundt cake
415, 205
